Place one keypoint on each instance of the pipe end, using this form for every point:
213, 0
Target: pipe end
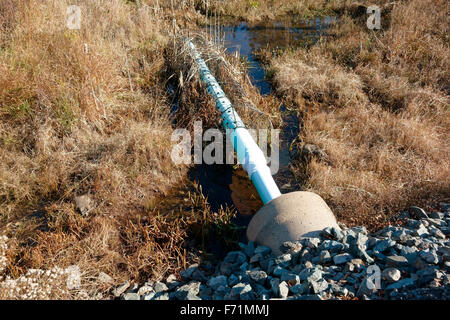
290, 217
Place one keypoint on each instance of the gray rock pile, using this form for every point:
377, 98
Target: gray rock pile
411, 261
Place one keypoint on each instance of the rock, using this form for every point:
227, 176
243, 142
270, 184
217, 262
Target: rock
429, 256
418, 213
312, 243
316, 260
319, 286
445, 206
226, 268
187, 274
352, 280
161, 296
283, 260
438, 234
240, 289
121, 289
437, 215
405, 283
103, 277
339, 276
342, 258
325, 256
434, 284
321, 267
232, 280
367, 287
412, 223
332, 233
244, 267
250, 249
248, 295
275, 286
131, 296
409, 253
148, 296
332, 246
144, 290
260, 290
255, 258
382, 245
309, 150
358, 263
297, 289
221, 293
216, 282
447, 266
349, 267
291, 247
188, 291
160, 287
268, 264
419, 264
391, 275
397, 261
444, 252
359, 251
428, 274
446, 280
83, 204
236, 257
336, 289
283, 289
310, 297
198, 275
291, 278
278, 271
258, 276
263, 250
314, 273
171, 282
436, 222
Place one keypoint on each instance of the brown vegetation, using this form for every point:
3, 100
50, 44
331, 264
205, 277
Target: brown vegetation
258, 10
377, 103
85, 112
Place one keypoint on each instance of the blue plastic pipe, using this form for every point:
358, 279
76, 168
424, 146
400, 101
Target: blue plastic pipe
248, 152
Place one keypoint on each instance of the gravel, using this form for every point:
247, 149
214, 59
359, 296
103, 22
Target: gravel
391, 274
408, 261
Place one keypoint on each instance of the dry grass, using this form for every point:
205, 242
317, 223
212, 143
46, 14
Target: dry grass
231, 72
85, 112
377, 103
258, 10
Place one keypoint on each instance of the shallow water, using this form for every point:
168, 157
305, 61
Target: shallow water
220, 183
248, 38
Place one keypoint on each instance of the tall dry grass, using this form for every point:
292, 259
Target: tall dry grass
85, 112
258, 10
376, 102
